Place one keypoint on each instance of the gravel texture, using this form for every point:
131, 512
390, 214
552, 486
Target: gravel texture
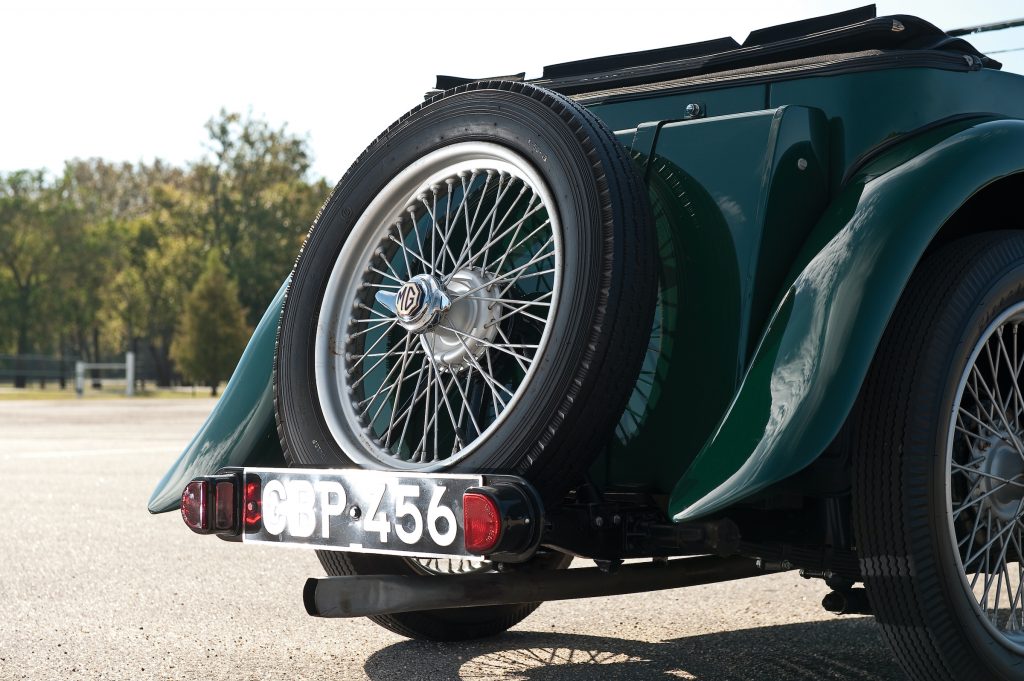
93, 587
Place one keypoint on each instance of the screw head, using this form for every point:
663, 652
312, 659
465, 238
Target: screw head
354, 513
692, 110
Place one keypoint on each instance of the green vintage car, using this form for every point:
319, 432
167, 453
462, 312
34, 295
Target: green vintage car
731, 309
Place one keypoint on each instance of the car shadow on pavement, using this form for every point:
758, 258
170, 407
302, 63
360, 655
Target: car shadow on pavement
842, 650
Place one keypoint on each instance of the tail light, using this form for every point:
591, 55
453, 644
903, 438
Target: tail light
213, 504
253, 512
482, 522
193, 506
502, 520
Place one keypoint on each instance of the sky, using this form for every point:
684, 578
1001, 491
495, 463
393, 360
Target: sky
135, 80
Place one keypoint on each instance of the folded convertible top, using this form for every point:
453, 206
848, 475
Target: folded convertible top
853, 31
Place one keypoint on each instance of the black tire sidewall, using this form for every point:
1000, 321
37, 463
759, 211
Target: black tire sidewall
564, 410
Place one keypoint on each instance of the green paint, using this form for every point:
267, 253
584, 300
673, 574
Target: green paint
813, 358
728, 227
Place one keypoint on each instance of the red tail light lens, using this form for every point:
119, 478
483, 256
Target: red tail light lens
224, 506
482, 522
253, 505
193, 506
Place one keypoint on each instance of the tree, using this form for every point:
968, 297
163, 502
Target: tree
212, 331
32, 223
101, 257
259, 202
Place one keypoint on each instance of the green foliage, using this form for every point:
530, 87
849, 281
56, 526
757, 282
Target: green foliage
102, 258
33, 222
212, 332
259, 204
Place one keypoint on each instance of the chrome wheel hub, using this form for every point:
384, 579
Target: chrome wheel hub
453, 334
418, 304
999, 462
470, 326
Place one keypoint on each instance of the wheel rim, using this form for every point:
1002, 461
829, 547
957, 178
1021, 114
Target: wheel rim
985, 479
438, 308
450, 566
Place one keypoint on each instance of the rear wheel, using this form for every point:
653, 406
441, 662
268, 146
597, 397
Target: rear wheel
475, 296
455, 624
939, 466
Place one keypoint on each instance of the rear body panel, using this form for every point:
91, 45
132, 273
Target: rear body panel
790, 216
738, 222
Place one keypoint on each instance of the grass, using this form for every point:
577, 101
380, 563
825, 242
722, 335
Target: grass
108, 392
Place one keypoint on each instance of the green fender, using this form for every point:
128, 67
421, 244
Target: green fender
812, 359
240, 431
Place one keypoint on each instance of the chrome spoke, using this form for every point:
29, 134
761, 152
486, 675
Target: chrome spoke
465, 406
518, 270
997, 406
368, 401
524, 367
1006, 481
511, 302
469, 222
398, 396
974, 502
489, 344
973, 535
387, 387
416, 232
376, 364
496, 265
373, 346
490, 368
466, 253
517, 311
970, 436
492, 239
377, 323
488, 378
989, 428
417, 256
518, 226
406, 416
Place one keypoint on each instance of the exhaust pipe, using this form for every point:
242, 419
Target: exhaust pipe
364, 595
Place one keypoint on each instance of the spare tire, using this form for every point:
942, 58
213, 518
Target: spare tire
476, 295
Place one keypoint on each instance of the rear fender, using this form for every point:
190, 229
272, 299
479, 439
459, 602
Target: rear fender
240, 430
813, 357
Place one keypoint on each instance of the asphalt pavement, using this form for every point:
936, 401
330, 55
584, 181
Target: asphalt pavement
94, 587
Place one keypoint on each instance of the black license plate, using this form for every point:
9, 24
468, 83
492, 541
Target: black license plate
364, 511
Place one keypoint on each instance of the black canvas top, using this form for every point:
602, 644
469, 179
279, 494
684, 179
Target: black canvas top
853, 31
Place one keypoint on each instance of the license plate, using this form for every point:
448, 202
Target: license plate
363, 511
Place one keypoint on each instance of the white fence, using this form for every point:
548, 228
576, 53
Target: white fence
128, 367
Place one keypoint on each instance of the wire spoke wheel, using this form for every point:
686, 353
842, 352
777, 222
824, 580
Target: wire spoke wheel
985, 474
938, 465
439, 308
475, 297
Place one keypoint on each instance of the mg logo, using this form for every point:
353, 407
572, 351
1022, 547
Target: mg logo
409, 300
